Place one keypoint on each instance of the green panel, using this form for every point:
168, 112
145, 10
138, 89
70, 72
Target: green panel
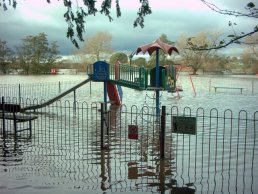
184, 125
129, 76
153, 76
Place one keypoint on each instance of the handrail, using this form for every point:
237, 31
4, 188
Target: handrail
125, 75
33, 107
130, 76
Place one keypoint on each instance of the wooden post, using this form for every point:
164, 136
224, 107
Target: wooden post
162, 132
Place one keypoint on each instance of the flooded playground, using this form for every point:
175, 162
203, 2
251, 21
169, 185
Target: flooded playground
64, 154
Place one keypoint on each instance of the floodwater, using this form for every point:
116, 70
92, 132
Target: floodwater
45, 87
63, 158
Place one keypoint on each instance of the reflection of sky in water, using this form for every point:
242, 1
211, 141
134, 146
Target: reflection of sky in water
64, 155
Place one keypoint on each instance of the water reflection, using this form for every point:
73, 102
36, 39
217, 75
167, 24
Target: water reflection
11, 151
64, 153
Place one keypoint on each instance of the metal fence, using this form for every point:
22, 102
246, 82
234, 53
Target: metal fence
44, 90
48, 90
219, 155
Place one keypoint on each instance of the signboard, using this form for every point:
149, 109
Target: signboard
184, 125
101, 71
132, 131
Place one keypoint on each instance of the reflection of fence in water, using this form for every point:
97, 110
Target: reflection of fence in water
221, 157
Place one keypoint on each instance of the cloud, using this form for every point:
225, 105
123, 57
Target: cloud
172, 19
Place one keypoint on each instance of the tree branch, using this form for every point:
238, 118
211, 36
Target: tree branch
222, 43
250, 6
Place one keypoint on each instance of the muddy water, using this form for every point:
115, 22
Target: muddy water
64, 154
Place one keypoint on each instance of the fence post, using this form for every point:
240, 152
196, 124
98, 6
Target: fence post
19, 94
59, 87
74, 101
162, 132
4, 135
102, 143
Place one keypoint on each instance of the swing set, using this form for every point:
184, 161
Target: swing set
179, 69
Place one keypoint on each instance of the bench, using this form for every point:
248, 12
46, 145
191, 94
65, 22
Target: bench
9, 112
233, 88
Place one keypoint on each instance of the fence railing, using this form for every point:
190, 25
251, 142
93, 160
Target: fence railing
219, 156
130, 76
44, 90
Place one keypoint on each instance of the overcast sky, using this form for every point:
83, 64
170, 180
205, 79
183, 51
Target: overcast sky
171, 17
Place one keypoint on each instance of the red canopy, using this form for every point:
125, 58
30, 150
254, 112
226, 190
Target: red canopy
150, 48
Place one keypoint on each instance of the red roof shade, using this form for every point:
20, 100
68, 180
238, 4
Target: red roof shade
150, 48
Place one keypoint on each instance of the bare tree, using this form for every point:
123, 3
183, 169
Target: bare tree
249, 56
97, 45
196, 58
251, 12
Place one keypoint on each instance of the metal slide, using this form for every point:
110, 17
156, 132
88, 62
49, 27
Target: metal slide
33, 107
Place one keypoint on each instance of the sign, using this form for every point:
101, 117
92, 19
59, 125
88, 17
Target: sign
184, 125
101, 71
132, 131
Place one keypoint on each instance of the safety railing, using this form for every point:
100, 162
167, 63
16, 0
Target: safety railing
130, 76
125, 75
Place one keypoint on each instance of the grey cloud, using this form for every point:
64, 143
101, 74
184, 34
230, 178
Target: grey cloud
125, 36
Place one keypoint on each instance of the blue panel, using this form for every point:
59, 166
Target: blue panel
120, 91
101, 71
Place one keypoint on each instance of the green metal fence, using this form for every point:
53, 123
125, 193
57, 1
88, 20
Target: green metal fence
129, 76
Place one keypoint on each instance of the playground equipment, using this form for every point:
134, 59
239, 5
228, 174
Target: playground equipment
150, 48
179, 69
115, 76
132, 77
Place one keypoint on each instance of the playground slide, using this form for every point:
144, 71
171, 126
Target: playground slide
115, 93
34, 107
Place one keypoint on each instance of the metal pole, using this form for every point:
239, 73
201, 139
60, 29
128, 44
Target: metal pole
102, 144
4, 135
157, 82
74, 101
59, 86
105, 95
162, 132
